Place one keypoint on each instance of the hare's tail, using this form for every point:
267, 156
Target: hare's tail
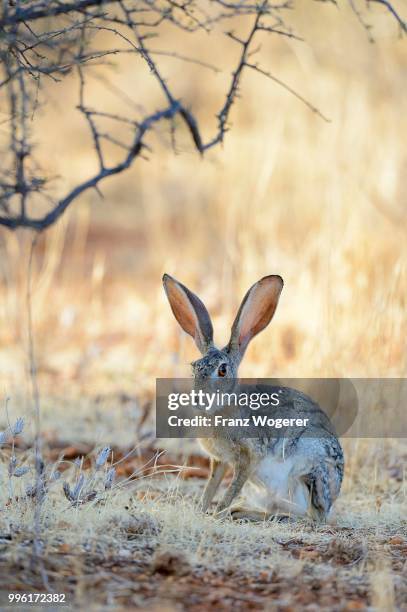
324, 483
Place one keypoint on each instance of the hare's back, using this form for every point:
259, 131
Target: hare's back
291, 404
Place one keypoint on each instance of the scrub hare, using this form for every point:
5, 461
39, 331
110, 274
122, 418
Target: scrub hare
298, 475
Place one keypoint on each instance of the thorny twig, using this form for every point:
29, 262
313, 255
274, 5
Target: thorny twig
38, 461
49, 40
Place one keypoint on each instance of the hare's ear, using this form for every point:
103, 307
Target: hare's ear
190, 313
255, 312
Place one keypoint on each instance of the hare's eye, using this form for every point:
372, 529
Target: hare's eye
222, 369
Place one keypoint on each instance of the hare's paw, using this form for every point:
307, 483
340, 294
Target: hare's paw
221, 512
238, 513
209, 509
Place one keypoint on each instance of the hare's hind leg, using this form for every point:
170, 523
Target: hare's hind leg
277, 487
217, 473
256, 516
289, 506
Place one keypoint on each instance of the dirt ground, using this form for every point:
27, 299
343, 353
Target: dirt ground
145, 545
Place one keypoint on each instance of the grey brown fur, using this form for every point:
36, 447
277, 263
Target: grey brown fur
294, 474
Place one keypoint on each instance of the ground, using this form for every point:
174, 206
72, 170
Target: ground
144, 544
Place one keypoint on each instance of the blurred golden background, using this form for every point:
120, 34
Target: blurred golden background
323, 204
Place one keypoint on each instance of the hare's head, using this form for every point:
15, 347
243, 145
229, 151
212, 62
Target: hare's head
255, 313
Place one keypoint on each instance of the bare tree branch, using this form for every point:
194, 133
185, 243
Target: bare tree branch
402, 23
292, 91
39, 10
52, 39
53, 215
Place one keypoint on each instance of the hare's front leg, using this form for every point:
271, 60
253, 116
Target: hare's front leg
217, 473
240, 476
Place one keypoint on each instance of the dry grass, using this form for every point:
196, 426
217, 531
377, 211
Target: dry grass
152, 533
323, 205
